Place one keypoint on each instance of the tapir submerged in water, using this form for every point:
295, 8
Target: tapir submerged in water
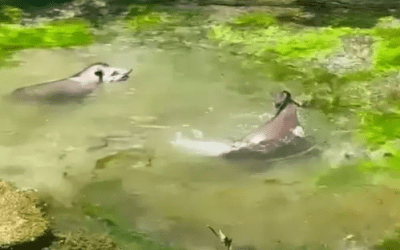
281, 136
74, 88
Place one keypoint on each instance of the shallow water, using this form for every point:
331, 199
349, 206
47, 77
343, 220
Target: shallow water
178, 194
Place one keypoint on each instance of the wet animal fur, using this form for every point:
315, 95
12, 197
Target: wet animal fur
280, 137
276, 138
72, 88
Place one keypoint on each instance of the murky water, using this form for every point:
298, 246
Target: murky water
178, 194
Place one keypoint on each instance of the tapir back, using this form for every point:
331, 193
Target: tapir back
277, 128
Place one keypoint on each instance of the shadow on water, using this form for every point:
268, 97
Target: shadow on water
135, 180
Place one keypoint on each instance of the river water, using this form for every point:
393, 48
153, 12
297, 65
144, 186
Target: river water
152, 187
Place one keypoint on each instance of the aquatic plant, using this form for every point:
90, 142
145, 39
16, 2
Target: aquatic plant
138, 9
146, 20
381, 133
9, 14
261, 20
378, 128
55, 34
389, 164
310, 43
265, 34
359, 76
392, 242
119, 229
286, 42
388, 49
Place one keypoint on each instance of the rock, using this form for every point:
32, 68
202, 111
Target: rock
21, 220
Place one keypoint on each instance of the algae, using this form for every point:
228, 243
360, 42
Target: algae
264, 33
54, 34
9, 14
65, 33
387, 54
120, 228
145, 20
390, 243
255, 20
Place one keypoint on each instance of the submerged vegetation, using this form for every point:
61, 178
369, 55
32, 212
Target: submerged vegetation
116, 221
390, 242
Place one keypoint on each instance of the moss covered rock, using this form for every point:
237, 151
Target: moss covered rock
21, 220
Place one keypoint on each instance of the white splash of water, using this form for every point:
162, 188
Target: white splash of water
202, 147
257, 139
298, 131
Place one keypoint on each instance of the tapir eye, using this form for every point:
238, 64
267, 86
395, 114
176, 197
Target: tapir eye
99, 73
114, 73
